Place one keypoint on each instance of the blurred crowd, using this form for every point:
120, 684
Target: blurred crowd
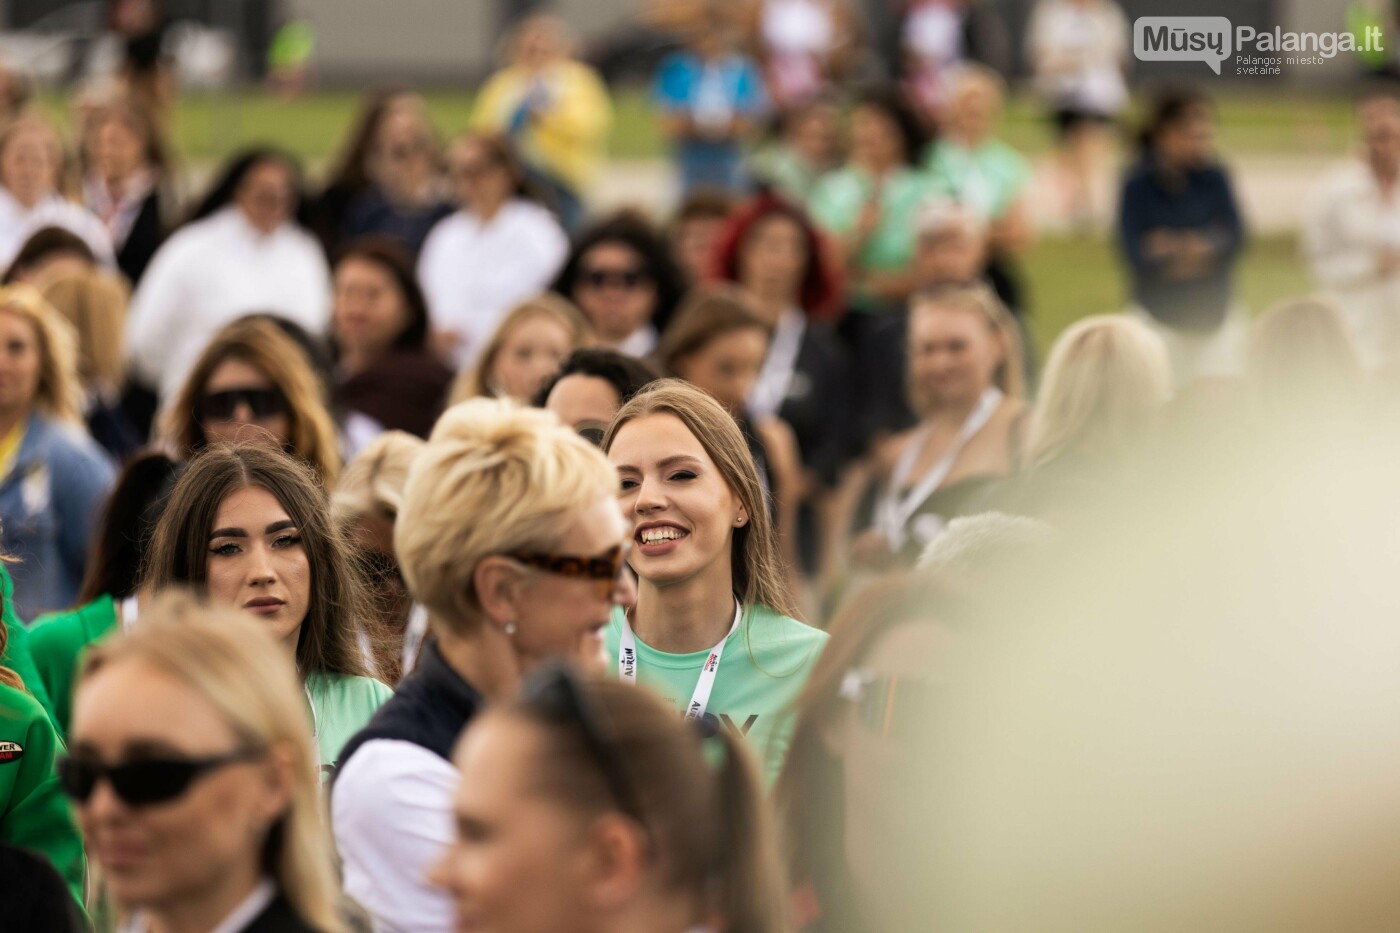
680, 567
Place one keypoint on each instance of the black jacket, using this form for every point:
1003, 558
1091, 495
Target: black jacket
142, 240
278, 917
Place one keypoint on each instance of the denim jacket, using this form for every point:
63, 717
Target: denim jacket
48, 506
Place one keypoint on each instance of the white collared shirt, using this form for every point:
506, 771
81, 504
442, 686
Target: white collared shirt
238, 919
18, 224
473, 273
641, 343
209, 274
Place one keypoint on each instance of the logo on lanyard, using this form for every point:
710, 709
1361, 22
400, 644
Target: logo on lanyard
629, 662
711, 664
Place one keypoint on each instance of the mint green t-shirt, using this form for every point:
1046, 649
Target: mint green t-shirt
342, 705
987, 179
763, 670
837, 202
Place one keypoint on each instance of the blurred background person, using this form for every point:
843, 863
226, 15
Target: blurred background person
713, 627
147, 68
555, 109
967, 386
621, 275
936, 37
251, 528
808, 145
970, 165
106, 602
586, 772
35, 815
510, 537
499, 248
803, 46
366, 506
254, 384
126, 183
35, 189
1181, 232
951, 245
695, 230
387, 376
1079, 53
590, 386
189, 737
710, 95
1351, 234
1301, 362
53, 476
243, 251
406, 194
16, 92
526, 350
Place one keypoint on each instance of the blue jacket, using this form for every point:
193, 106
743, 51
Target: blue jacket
48, 506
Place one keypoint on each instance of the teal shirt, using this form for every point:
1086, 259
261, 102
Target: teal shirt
57, 643
988, 179
837, 202
341, 705
761, 674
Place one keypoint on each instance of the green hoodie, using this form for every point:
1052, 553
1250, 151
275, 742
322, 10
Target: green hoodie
17, 656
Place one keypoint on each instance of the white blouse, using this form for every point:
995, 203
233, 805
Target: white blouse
208, 275
472, 272
18, 224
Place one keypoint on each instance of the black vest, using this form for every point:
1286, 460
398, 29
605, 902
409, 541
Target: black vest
430, 709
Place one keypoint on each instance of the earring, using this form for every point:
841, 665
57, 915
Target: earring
509, 628
739, 521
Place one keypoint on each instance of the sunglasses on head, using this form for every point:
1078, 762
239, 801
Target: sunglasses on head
147, 781
604, 570
618, 278
262, 403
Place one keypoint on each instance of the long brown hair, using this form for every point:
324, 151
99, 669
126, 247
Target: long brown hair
709, 313
263, 345
179, 552
756, 563
709, 824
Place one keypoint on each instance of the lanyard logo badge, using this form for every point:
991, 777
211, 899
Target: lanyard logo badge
712, 663
629, 662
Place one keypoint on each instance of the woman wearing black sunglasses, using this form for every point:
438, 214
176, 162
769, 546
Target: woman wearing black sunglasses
510, 536
252, 528
194, 779
255, 383
588, 806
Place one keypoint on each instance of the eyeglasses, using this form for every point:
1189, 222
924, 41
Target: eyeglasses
139, 783
618, 278
556, 694
262, 403
889, 705
604, 570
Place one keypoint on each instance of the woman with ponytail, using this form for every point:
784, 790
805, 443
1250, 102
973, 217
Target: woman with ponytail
588, 805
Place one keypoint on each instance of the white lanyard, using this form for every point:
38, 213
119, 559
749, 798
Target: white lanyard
775, 377
895, 510
700, 699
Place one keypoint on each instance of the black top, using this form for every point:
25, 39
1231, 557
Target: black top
1199, 200
818, 402
372, 213
404, 391
142, 240
429, 709
279, 917
33, 895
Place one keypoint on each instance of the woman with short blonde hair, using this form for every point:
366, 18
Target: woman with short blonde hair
517, 362
233, 792
510, 537
253, 382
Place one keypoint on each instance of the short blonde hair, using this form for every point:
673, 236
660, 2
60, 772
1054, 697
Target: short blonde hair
493, 478
60, 393
223, 655
375, 479
1104, 374
94, 302
476, 382
1010, 376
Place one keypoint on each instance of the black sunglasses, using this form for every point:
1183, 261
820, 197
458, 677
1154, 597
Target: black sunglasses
555, 694
604, 570
138, 783
621, 278
263, 403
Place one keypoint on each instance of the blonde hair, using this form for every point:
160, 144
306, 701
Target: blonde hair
260, 343
65, 174
756, 565
493, 478
95, 304
228, 659
60, 394
375, 479
1010, 375
1104, 374
1300, 352
476, 382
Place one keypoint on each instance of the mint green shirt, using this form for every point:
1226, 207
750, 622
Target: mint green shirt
837, 202
763, 670
987, 178
341, 705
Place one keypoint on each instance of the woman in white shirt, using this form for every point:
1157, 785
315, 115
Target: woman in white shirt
31, 172
243, 252
497, 250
